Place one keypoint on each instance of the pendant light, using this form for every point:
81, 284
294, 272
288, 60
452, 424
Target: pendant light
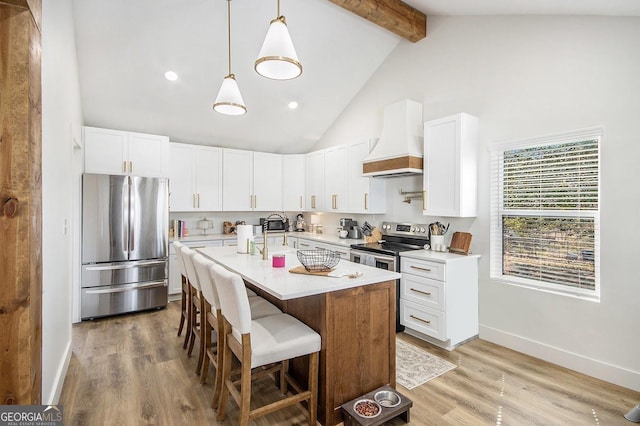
229, 100
278, 59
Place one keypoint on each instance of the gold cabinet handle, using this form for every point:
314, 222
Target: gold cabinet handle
198, 200
301, 201
424, 200
420, 319
255, 201
313, 201
124, 167
194, 201
366, 201
421, 292
304, 245
421, 269
130, 166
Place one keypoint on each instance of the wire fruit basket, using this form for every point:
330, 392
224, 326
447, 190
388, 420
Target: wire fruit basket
318, 260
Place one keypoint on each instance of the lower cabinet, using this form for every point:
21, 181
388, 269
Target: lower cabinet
175, 283
439, 297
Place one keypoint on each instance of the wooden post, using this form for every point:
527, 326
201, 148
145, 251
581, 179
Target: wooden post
20, 203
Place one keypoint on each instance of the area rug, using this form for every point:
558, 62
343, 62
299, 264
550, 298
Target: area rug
415, 366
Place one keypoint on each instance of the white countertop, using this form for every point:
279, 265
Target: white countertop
280, 283
435, 256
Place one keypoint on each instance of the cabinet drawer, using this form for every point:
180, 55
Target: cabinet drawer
424, 291
423, 268
422, 319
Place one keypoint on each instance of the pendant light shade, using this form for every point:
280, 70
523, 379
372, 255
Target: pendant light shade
278, 59
229, 100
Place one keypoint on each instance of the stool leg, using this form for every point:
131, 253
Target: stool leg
189, 321
284, 368
183, 303
313, 388
226, 378
245, 380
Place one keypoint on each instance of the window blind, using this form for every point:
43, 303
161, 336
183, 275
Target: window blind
545, 212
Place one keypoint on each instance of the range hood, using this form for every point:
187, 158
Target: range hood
399, 152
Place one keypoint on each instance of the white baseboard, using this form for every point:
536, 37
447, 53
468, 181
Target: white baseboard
582, 364
56, 390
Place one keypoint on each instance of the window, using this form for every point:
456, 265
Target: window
545, 213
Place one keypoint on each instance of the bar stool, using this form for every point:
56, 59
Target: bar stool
262, 342
195, 317
184, 296
212, 320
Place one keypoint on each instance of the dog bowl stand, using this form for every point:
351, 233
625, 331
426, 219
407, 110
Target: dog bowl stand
388, 413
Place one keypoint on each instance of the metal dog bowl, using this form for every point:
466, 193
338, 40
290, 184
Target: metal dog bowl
387, 398
370, 405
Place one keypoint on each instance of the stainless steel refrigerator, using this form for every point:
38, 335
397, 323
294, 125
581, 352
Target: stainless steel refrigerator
124, 244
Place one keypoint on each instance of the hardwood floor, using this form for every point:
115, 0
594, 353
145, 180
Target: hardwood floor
132, 370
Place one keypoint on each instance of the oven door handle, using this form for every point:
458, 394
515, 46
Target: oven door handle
378, 258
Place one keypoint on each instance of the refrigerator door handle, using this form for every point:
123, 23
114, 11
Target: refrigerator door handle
129, 287
129, 266
132, 215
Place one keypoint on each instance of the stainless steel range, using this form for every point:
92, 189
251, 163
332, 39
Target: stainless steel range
385, 254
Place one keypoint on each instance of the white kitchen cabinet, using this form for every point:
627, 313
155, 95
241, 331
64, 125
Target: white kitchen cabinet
237, 180
118, 152
252, 181
195, 178
439, 297
451, 166
366, 195
293, 182
314, 181
175, 282
336, 179
267, 182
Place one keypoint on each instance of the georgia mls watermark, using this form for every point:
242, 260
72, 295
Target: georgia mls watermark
31, 415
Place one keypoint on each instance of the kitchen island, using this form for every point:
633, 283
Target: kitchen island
355, 318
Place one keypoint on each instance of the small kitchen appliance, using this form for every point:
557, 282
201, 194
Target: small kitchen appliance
345, 226
385, 254
299, 223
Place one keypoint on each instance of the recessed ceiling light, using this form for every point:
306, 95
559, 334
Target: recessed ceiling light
171, 76
293, 105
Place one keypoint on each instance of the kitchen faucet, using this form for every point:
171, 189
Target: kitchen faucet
264, 251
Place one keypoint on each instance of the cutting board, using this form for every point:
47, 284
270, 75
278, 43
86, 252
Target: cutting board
460, 242
301, 270
375, 236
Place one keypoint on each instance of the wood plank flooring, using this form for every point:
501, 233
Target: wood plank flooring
132, 370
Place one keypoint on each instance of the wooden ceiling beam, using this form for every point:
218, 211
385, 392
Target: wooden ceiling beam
393, 15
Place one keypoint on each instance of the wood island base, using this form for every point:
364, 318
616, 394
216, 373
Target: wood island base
358, 355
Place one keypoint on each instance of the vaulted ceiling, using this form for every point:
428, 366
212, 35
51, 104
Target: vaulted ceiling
125, 47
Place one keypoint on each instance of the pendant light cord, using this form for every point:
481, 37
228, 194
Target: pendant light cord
229, 31
278, 15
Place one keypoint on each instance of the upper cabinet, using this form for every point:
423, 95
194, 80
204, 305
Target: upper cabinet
267, 182
366, 195
251, 181
315, 181
451, 166
293, 182
195, 178
125, 153
336, 179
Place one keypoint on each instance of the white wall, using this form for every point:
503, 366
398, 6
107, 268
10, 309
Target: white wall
523, 77
61, 116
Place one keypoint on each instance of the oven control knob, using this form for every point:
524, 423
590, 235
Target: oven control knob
413, 229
